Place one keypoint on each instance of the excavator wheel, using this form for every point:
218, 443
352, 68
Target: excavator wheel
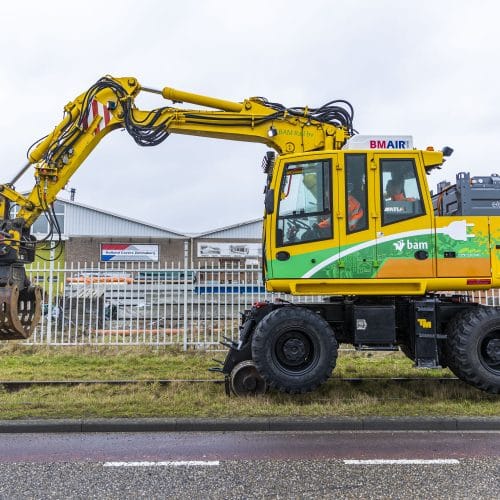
473, 347
294, 349
20, 311
245, 380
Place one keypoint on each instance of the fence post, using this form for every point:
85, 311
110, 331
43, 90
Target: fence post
51, 294
185, 307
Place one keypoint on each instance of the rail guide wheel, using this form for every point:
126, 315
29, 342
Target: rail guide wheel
245, 380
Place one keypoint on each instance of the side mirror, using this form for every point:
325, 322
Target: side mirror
269, 201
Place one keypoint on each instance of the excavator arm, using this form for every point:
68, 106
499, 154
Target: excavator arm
109, 104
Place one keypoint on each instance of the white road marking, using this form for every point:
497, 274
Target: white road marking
404, 461
170, 463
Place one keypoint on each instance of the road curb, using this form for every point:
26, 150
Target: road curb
252, 424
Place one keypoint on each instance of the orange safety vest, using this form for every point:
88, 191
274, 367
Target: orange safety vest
355, 212
324, 224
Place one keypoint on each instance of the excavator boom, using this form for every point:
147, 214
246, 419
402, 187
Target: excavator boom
108, 105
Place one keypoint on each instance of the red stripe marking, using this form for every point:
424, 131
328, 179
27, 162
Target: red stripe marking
114, 246
107, 115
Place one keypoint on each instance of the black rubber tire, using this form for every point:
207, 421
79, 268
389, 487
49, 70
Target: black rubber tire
471, 339
294, 349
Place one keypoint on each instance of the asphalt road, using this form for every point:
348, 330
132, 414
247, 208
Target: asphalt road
251, 465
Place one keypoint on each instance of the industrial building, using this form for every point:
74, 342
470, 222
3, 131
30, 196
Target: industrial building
91, 235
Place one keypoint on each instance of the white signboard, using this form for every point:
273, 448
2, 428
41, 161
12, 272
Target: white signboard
379, 142
231, 250
129, 252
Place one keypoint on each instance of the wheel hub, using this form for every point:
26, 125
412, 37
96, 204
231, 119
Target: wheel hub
294, 351
249, 381
493, 349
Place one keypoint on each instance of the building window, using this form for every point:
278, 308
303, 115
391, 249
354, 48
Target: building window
41, 225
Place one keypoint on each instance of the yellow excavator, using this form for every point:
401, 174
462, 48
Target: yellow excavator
347, 217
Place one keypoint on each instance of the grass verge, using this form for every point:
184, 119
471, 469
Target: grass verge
336, 398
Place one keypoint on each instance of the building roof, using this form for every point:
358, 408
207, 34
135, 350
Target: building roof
83, 220
251, 229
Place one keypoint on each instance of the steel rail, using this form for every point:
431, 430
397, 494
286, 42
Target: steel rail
20, 384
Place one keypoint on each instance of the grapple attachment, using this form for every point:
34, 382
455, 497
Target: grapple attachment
20, 311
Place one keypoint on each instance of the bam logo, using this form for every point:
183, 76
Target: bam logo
399, 245
410, 245
424, 323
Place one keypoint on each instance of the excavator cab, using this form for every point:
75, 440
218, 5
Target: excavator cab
353, 222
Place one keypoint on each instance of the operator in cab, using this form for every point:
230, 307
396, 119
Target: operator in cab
395, 190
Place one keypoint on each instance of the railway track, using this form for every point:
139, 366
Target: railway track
21, 384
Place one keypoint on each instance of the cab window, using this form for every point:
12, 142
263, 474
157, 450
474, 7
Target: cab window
304, 212
355, 195
401, 198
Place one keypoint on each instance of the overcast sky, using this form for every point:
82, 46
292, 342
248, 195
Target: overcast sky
430, 71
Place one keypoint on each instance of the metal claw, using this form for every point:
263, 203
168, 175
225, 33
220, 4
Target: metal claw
20, 311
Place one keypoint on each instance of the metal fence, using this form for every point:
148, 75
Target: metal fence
152, 304
145, 304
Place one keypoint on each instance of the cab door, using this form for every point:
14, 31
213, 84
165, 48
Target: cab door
357, 255
404, 224
302, 232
